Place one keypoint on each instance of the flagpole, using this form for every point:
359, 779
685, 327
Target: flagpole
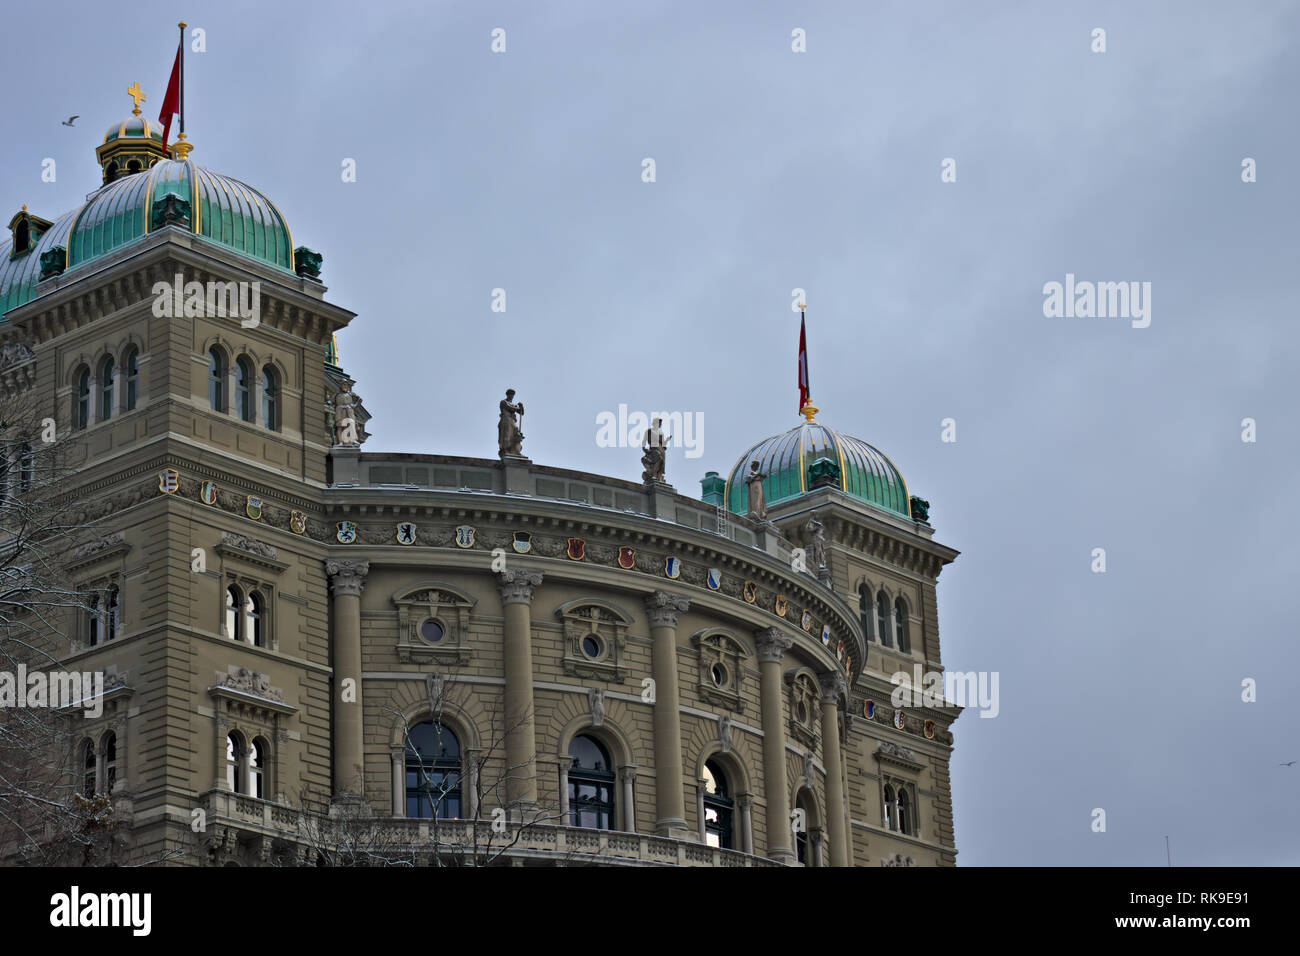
181, 27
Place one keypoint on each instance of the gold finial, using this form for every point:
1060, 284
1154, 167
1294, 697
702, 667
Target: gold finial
802, 306
182, 24
808, 411
24, 207
137, 95
180, 148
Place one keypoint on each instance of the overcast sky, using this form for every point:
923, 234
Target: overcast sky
820, 171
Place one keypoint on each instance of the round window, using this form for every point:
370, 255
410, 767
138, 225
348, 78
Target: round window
431, 631
591, 646
719, 674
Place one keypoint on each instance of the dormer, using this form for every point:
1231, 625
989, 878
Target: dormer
26, 231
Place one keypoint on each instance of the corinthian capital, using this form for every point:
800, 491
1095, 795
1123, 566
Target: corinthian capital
662, 608
347, 577
833, 686
772, 644
517, 586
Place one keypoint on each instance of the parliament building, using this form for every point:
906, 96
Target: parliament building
460, 659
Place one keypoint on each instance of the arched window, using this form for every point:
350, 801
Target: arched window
900, 625
83, 397
257, 769
270, 398
244, 388
133, 166
890, 808
94, 632
253, 619
432, 772
106, 389
234, 774
591, 785
132, 366
718, 807
234, 629
110, 615
904, 812
110, 761
216, 380
88, 769
882, 618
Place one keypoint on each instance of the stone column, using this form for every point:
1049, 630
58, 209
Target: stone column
562, 765
662, 609
469, 782
745, 803
521, 741
627, 775
772, 645
833, 686
346, 580
399, 782
222, 725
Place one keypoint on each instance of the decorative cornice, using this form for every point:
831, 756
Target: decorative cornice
248, 682
517, 586
347, 577
772, 644
662, 608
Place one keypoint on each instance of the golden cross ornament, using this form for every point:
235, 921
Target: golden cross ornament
136, 94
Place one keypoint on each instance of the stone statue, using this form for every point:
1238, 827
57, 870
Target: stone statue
920, 509
655, 447
596, 701
816, 538
345, 423
724, 733
510, 440
757, 504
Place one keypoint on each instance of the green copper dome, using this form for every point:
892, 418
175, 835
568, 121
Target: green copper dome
222, 209
793, 461
137, 127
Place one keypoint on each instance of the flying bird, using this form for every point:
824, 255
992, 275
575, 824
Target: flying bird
70, 120
1289, 763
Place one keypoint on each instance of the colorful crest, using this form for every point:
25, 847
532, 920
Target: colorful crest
673, 567
929, 730
169, 479
839, 650
899, 720
464, 536
869, 710
782, 605
208, 492
627, 558
297, 521
713, 579
406, 532
577, 549
826, 634
347, 532
806, 621
253, 507
523, 542
848, 663
750, 592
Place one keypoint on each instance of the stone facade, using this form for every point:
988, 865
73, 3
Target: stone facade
339, 662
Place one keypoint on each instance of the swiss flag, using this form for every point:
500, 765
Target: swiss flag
803, 364
171, 104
